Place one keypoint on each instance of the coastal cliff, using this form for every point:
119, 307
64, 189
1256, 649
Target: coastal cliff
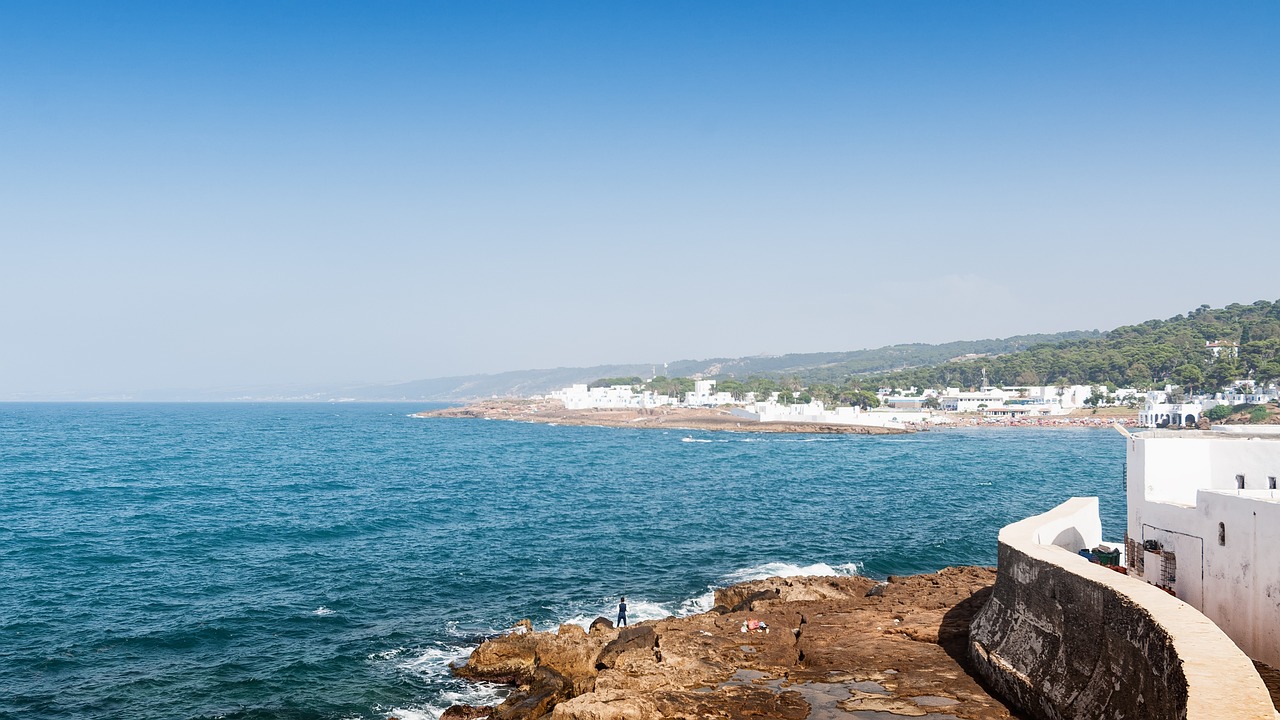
833, 645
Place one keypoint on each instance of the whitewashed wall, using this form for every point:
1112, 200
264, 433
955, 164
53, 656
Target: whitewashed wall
1179, 489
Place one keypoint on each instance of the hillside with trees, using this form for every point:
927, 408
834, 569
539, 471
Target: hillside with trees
1151, 354
828, 367
1147, 355
835, 366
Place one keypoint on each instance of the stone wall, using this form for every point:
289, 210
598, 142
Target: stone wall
1063, 638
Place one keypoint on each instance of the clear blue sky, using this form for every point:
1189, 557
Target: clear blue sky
224, 193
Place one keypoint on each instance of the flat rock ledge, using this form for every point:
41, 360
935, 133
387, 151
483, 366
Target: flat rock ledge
552, 412
837, 648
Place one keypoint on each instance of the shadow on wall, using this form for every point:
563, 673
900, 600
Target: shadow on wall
953, 637
953, 633
1070, 539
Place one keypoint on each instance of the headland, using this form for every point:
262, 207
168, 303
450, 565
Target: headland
553, 412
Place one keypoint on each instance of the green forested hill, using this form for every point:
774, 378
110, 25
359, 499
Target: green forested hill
1149, 354
832, 366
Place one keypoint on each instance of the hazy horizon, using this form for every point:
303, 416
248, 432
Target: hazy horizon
248, 195
332, 385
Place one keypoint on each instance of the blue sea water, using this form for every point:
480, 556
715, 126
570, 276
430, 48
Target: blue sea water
329, 561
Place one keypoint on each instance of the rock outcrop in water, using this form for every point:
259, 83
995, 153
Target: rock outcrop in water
833, 648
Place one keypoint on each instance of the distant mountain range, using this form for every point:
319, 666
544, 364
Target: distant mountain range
810, 366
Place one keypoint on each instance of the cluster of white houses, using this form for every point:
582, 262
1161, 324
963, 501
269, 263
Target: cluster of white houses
1163, 408
1204, 523
1157, 408
616, 397
916, 406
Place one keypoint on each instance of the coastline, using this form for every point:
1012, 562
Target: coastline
834, 647
552, 412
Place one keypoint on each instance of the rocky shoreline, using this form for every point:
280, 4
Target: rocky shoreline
835, 647
553, 413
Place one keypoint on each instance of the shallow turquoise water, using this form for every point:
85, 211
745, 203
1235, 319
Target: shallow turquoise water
329, 561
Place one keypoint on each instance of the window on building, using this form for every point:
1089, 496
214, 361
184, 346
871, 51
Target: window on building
1222, 533
1271, 483
1239, 482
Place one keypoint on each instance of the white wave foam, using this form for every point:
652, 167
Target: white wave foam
476, 694
414, 714
434, 665
694, 439
782, 569
640, 610
481, 693
699, 604
322, 611
471, 632
430, 662
637, 611
386, 654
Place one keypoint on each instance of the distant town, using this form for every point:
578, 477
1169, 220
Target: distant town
887, 407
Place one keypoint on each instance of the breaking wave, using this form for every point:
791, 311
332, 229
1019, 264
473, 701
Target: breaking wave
782, 569
434, 665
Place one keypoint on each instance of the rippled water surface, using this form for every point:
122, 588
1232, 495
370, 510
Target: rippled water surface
330, 561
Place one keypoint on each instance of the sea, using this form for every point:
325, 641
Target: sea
332, 561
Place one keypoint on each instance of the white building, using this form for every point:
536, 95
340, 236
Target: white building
1240, 395
703, 395
955, 400
901, 402
1204, 522
614, 397
816, 412
1217, 347
1156, 412
1026, 399
1073, 397
1020, 409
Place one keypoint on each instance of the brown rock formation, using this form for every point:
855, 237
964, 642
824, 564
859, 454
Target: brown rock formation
465, 712
834, 647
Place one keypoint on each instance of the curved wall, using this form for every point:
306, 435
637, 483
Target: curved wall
1063, 638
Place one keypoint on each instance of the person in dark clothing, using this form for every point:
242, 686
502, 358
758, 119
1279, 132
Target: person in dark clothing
622, 612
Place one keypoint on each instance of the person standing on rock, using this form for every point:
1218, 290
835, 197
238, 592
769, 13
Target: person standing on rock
622, 611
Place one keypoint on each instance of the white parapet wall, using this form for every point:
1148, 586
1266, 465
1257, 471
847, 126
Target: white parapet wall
1061, 637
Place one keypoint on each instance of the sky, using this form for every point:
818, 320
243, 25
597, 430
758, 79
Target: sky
204, 195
